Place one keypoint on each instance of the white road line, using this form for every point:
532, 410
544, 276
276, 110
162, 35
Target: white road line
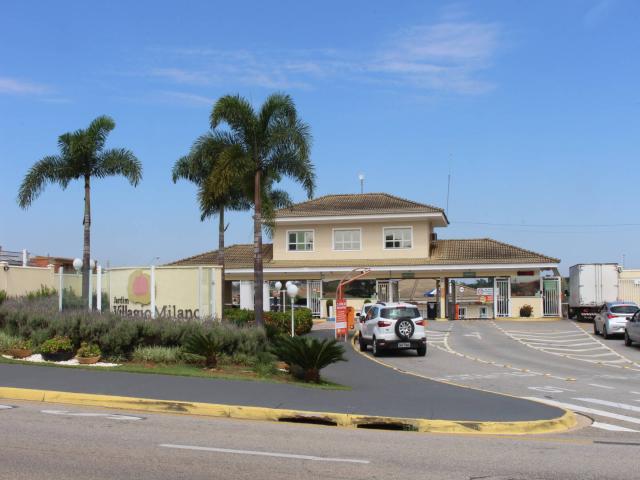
6, 407
623, 406
579, 408
612, 428
264, 454
601, 386
87, 414
635, 393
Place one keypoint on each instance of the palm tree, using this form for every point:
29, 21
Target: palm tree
196, 167
268, 144
82, 156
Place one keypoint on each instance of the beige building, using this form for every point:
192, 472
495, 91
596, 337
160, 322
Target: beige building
318, 242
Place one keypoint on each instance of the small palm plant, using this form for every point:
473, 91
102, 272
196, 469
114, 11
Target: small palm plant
205, 344
306, 356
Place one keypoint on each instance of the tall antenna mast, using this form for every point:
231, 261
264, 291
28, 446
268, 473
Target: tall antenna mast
446, 210
361, 178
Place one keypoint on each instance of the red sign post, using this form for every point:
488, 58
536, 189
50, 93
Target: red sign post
341, 318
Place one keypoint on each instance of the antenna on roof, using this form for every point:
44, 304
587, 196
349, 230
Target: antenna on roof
446, 210
361, 178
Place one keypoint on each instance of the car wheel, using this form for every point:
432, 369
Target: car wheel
595, 328
422, 351
627, 339
363, 345
374, 347
605, 333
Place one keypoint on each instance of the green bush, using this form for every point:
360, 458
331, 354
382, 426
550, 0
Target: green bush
526, 311
56, 344
3, 296
88, 350
156, 354
367, 301
8, 341
276, 323
306, 356
208, 345
43, 292
118, 336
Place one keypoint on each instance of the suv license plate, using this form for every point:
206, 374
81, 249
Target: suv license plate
404, 345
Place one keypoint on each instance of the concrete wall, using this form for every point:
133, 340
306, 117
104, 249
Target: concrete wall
371, 241
17, 281
518, 302
180, 291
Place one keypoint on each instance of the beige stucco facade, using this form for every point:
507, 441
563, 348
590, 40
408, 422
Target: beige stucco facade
371, 241
17, 281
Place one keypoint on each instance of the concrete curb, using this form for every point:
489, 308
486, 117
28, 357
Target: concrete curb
565, 422
560, 424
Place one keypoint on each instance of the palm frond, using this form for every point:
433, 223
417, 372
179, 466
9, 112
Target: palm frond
50, 169
119, 161
238, 114
275, 108
98, 131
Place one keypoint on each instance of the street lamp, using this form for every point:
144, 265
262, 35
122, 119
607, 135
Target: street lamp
77, 264
292, 291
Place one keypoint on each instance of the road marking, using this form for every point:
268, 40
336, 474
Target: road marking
6, 407
612, 428
474, 334
635, 393
623, 406
579, 408
87, 414
550, 389
601, 386
264, 454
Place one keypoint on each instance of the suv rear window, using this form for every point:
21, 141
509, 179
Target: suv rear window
624, 309
399, 312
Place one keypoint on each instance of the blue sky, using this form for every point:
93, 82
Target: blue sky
534, 108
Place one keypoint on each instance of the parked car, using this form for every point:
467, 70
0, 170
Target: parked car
632, 330
393, 326
612, 318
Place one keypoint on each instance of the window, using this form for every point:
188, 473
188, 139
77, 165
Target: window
344, 239
300, 241
624, 309
397, 237
394, 313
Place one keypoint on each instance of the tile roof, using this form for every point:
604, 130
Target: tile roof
355, 204
443, 252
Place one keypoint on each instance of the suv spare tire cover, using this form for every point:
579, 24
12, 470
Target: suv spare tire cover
405, 328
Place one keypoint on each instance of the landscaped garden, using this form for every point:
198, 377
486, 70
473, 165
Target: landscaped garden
33, 330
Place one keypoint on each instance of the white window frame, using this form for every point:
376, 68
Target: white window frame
313, 241
333, 239
384, 237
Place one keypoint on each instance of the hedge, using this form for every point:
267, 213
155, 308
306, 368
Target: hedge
275, 323
37, 319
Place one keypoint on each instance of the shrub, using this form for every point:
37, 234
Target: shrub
43, 292
366, 301
9, 341
3, 296
157, 354
526, 310
306, 356
207, 345
87, 350
276, 323
56, 344
329, 303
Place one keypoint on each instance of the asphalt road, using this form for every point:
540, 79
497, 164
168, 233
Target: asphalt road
375, 390
45, 441
562, 363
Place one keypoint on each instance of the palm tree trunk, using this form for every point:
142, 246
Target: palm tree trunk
86, 248
257, 245
221, 256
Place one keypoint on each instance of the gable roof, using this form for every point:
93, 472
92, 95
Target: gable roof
355, 204
477, 251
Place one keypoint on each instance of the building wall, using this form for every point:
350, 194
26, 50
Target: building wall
17, 281
518, 302
371, 240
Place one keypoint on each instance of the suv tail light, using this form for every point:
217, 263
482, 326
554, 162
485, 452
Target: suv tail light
382, 323
420, 322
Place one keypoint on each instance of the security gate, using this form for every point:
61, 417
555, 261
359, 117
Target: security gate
502, 298
551, 297
314, 295
387, 290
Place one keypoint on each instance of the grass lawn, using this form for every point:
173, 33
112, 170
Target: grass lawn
224, 372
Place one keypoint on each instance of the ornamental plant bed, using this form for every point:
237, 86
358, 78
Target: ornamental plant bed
88, 354
57, 349
20, 352
88, 360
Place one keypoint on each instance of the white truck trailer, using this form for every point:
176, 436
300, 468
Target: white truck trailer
591, 285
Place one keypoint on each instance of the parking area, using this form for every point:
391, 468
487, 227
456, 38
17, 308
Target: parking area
561, 363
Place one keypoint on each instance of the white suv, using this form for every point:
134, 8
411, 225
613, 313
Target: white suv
390, 326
